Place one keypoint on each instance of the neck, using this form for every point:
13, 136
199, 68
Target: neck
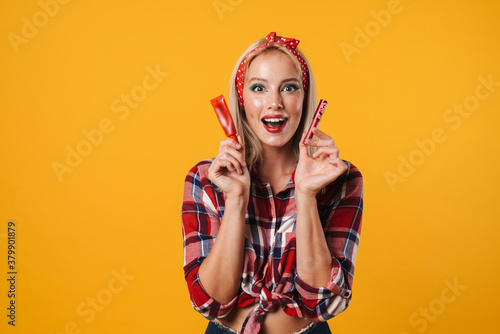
276, 167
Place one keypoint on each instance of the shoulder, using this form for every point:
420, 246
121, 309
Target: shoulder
198, 176
352, 174
349, 184
200, 169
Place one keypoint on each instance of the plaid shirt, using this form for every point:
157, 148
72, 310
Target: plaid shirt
269, 277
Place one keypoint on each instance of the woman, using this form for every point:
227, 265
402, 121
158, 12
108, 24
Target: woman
271, 229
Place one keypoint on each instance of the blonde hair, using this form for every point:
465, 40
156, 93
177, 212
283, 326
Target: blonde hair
252, 144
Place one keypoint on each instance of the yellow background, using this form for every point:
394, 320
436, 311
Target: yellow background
119, 208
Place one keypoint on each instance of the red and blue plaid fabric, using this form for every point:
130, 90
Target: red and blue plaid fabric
269, 279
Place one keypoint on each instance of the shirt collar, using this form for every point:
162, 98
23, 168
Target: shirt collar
259, 184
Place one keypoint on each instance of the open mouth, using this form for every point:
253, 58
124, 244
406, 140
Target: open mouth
274, 123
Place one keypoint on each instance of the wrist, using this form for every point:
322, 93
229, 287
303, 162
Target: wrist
239, 200
305, 197
305, 193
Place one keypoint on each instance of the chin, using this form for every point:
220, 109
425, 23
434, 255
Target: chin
277, 143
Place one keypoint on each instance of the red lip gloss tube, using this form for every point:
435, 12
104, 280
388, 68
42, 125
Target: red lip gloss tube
224, 116
317, 117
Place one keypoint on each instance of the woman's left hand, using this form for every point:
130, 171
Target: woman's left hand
323, 167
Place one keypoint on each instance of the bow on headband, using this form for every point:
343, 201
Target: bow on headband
272, 38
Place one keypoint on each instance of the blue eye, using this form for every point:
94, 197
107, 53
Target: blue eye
290, 88
257, 88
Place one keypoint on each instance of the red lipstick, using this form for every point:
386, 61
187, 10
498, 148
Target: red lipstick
317, 117
224, 116
274, 123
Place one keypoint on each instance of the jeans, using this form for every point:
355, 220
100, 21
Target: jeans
316, 328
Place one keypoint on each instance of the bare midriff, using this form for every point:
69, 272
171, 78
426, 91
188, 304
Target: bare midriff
276, 322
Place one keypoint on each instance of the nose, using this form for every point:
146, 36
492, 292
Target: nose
275, 101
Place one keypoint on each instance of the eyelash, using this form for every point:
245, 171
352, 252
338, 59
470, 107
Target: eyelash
293, 86
254, 87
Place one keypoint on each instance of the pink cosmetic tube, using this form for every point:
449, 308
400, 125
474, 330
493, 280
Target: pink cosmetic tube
317, 117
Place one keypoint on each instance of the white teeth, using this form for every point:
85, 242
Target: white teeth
274, 120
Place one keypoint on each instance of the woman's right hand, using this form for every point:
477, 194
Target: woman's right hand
229, 171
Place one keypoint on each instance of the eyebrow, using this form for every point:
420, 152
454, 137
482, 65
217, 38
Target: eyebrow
264, 80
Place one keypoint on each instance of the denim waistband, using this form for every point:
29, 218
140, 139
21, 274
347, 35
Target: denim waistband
313, 328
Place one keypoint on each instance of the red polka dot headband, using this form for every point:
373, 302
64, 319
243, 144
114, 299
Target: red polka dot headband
272, 38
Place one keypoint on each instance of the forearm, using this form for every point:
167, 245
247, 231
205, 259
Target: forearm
225, 261
314, 260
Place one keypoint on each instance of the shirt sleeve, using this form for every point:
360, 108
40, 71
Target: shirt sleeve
202, 209
340, 208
